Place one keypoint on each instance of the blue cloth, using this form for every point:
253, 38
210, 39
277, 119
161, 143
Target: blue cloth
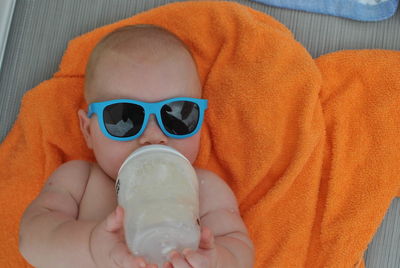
362, 10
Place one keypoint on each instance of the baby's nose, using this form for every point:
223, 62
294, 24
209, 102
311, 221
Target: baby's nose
153, 134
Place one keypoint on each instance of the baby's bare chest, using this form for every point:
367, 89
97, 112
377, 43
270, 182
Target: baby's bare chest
99, 198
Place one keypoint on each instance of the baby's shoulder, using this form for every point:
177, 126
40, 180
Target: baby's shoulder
204, 174
73, 169
210, 184
208, 178
76, 164
71, 176
80, 168
214, 192
79, 172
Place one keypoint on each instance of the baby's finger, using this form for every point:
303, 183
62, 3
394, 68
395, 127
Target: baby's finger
178, 261
167, 265
195, 259
114, 221
206, 239
139, 261
134, 262
121, 257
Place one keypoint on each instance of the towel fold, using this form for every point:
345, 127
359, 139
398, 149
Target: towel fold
361, 10
310, 147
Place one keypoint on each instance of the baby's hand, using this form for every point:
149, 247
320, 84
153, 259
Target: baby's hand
204, 257
108, 247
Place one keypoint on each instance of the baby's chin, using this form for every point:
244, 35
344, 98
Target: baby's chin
111, 172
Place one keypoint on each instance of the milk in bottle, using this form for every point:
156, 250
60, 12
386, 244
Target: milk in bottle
158, 189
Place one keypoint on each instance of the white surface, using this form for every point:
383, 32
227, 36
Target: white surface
6, 12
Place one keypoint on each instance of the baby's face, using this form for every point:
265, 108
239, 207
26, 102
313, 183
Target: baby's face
142, 78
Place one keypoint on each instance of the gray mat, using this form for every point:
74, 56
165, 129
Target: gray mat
40, 31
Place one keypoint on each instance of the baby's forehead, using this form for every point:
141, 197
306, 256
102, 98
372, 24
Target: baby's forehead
139, 42
140, 39
140, 45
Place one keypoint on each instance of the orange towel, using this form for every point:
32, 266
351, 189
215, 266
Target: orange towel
310, 147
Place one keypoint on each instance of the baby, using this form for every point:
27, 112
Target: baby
76, 221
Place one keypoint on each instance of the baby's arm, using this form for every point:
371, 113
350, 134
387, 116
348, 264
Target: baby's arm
50, 235
220, 213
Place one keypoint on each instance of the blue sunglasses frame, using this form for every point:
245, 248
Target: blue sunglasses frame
149, 108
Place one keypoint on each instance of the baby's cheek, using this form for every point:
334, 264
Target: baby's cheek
113, 166
115, 160
107, 162
110, 157
189, 147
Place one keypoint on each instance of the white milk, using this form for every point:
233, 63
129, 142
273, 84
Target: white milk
158, 189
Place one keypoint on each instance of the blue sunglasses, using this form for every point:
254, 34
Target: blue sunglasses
125, 120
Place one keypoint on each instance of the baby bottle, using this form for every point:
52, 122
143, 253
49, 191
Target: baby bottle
158, 189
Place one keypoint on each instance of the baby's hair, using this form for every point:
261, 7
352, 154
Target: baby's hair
141, 37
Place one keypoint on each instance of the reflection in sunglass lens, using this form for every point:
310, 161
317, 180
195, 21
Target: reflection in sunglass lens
180, 117
123, 119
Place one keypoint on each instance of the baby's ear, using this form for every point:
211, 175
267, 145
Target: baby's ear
84, 123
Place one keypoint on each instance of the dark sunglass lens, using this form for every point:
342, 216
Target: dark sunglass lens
180, 117
123, 119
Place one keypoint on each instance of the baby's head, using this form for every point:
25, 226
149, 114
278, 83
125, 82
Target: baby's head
143, 64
